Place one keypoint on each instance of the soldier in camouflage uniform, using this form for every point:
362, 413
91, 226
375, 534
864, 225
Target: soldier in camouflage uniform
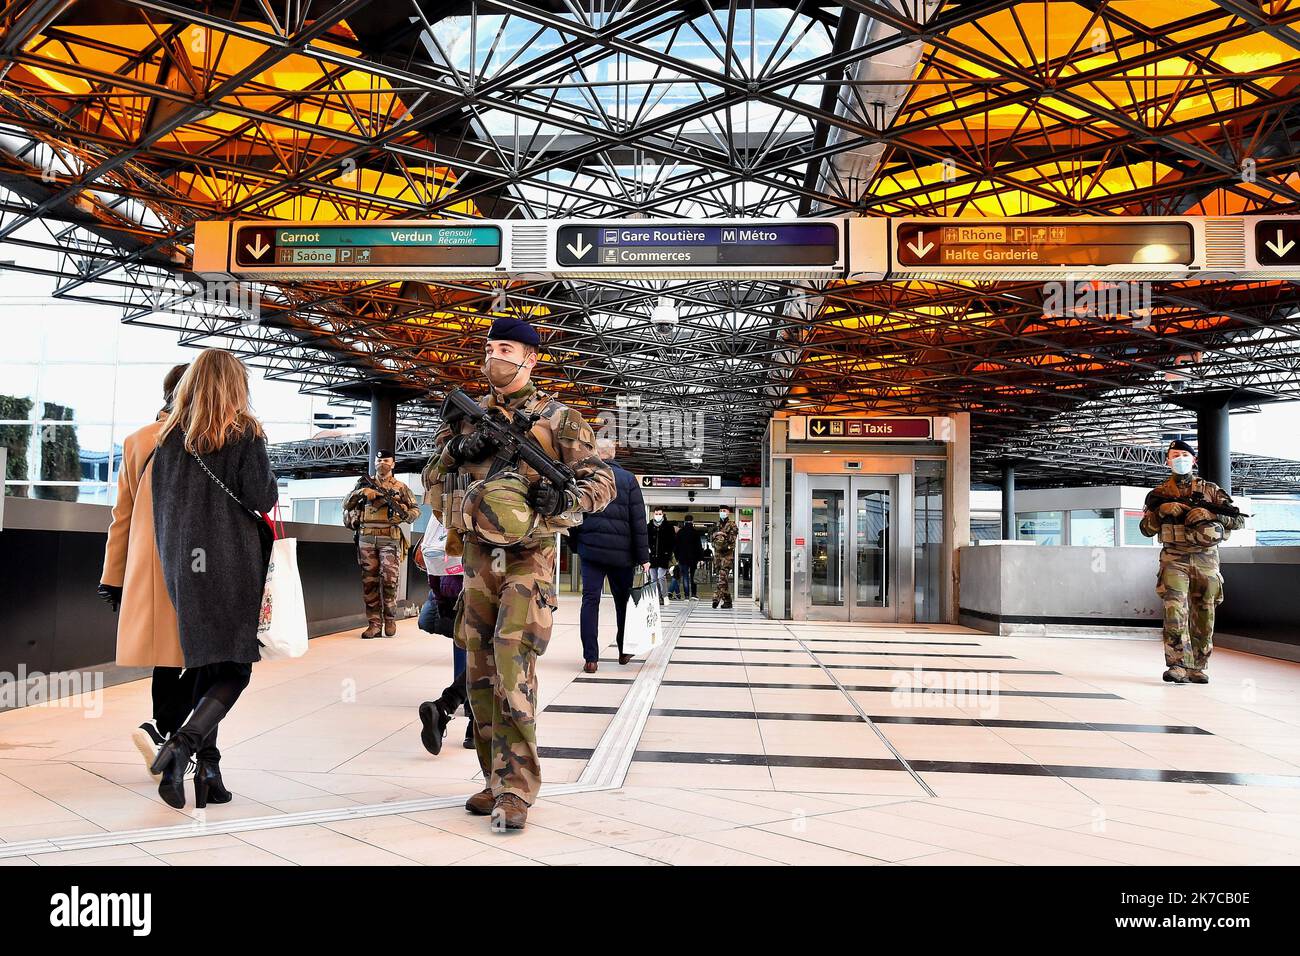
1189, 583
376, 509
723, 540
504, 615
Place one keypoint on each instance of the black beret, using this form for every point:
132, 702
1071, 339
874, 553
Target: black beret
512, 329
1179, 445
382, 452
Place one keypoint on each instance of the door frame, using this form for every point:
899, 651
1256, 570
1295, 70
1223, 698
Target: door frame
902, 607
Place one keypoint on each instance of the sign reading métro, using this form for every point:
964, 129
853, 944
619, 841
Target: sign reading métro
615, 245
841, 428
365, 246
1026, 242
1277, 242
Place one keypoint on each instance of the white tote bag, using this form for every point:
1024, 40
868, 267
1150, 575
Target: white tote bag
282, 625
643, 629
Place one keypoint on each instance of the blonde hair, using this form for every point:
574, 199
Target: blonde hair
210, 406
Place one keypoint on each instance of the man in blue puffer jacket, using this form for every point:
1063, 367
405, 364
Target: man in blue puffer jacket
611, 543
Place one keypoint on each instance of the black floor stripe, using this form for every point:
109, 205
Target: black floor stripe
828, 640
566, 753
784, 650
1208, 777
990, 657
861, 667
1181, 729
903, 690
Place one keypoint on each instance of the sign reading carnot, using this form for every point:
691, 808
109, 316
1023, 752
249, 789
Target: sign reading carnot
1022, 242
655, 245
327, 247
858, 428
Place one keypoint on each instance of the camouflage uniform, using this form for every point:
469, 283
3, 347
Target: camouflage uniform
723, 541
381, 546
503, 618
1188, 582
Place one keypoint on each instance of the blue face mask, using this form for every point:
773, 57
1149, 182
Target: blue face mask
1182, 465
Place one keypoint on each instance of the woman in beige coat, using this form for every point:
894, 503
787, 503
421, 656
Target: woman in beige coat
147, 634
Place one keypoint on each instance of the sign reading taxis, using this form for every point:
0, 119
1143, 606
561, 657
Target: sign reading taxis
822, 428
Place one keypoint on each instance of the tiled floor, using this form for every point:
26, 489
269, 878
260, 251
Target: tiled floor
762, 743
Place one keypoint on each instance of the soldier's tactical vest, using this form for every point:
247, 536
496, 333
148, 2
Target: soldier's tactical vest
1175, 532
375, 519
455, 484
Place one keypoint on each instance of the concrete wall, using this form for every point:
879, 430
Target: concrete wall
1025, 589
51, 556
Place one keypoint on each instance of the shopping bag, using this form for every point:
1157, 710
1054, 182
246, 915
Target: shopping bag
643, 629
282, 624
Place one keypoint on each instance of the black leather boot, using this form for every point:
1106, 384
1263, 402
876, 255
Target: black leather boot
208, 785
174, 756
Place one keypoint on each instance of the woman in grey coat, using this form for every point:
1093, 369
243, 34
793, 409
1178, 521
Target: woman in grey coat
211, 473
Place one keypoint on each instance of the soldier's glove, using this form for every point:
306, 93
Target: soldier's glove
1173, 509
550, 501
474, 447
1200, 516
112, 594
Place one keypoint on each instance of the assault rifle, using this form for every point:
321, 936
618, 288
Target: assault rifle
395, 505
510, 428
1195, 500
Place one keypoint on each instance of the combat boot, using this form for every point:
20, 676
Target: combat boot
1176, 675
715, 603
481, 803
390, 627
1197, 677
509, 813
371, 631
726, 605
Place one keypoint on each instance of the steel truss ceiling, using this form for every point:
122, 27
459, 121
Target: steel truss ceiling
124, 123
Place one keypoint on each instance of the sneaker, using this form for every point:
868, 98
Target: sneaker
433, 726
147, 739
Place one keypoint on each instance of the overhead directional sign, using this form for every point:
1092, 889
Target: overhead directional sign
690, 482
860, 428
387, 244
1055, 243
634, 245
1277, 242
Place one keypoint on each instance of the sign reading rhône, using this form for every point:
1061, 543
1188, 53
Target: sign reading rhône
843, 428
1027, 242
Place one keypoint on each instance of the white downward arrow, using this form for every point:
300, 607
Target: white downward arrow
581, 249
258, 249
922, 250
1282, 248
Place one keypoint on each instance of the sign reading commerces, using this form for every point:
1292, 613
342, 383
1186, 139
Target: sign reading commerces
623, 245
857, 428
365, 246
1027, 243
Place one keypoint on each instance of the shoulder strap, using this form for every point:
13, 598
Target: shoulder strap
145, 467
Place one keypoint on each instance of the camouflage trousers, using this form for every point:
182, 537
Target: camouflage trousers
1191, 587
380, 560
504, 624
722, 578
